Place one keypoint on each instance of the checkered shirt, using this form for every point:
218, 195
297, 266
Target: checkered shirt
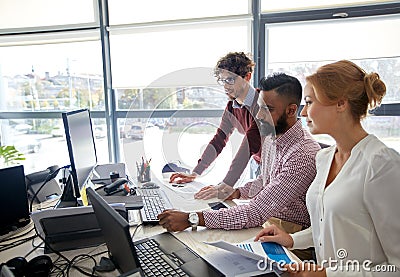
288, 168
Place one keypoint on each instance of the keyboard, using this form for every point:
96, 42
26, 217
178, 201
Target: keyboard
154, 262
155, 201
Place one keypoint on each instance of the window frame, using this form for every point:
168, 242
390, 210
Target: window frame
392, 109
256, 40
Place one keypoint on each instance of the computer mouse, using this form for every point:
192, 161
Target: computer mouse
150, 185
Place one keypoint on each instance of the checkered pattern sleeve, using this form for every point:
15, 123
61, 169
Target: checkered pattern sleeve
285, 187
250, 189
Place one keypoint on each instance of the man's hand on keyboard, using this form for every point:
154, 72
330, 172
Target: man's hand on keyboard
181, 178
174, 220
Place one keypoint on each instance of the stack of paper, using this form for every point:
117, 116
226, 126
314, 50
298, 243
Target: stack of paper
267, 256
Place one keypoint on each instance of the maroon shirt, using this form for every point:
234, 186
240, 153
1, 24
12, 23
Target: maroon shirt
242, 119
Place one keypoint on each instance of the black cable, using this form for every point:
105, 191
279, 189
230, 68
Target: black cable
33, 249
48, 206
18, 236
68, 263
51, 248
49, 177
137, 227
100, 253
15, 243
64, 182
37, 246
40, 188
57, 265
76, 260
60, 268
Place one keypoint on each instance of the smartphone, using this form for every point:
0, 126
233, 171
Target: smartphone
218, 205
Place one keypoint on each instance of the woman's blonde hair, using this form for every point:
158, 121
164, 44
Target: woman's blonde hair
344, 79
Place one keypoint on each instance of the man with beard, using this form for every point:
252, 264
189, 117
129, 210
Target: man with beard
233, 72
288, 168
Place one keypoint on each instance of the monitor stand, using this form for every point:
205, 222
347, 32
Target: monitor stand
68, 198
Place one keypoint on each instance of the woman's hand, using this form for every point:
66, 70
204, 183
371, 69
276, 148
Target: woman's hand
181, 178
274, 234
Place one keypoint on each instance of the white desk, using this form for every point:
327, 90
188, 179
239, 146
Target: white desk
194, 239
182, 201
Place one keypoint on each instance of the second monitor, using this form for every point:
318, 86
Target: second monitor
82, 153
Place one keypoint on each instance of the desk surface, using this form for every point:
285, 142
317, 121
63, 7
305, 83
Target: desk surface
194, 239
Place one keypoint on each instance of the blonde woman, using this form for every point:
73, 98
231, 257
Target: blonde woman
353, 201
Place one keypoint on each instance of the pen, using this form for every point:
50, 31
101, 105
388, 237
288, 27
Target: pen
178, 185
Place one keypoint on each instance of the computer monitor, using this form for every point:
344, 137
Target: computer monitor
82, 152
13, 199
116, 234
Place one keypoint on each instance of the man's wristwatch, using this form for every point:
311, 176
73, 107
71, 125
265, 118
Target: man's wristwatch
193, 220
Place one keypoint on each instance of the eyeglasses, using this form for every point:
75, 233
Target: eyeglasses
228, 81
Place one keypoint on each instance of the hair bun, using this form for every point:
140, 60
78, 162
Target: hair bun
375, 89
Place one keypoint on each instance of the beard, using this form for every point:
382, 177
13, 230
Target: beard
267, 129
281, 125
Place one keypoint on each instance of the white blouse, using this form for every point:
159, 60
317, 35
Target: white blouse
356, 219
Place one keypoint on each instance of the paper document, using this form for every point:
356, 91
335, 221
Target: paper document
268, 251
187, 188
235, 265
239, 202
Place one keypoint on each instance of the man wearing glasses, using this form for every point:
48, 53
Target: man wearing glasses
233, 71
288, 167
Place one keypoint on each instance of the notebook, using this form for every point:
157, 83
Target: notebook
171, 256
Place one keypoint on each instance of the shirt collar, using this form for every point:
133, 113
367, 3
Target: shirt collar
248, 100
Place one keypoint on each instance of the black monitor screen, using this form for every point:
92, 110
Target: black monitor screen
13, 198
116, 233
81, 147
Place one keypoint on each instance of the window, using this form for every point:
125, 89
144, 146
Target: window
296, 5
60, 65
175, 138
127, 11
142, 56
299, 48
42, 76
163, 77
156, 57
50, 77
25, 15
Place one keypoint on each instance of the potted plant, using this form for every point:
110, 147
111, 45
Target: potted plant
9, 155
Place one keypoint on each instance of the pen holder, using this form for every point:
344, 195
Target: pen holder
143, 175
